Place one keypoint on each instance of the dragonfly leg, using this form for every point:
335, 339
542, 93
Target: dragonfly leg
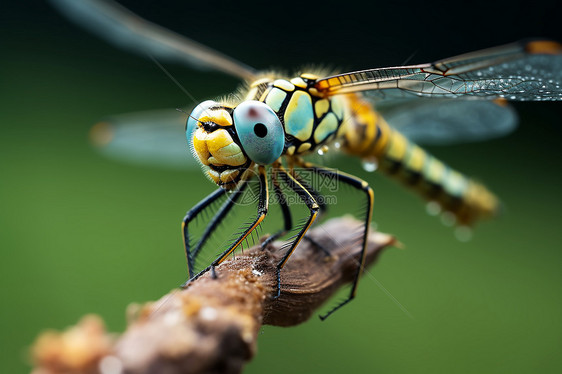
359, 184
219, 217
287, 214
263, 204
190, 216
321, 212
310, 202
321, 201
288, 222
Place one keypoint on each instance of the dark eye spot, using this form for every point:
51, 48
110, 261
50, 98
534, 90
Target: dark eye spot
260, 130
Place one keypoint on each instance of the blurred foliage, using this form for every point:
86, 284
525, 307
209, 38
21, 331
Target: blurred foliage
80, 233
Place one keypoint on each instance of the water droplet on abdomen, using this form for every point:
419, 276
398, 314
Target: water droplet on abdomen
370, 164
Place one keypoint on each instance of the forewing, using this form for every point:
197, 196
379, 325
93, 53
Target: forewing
518, 71
446, 121
148, 138
119, 26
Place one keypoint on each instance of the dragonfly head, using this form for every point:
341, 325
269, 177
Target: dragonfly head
228, 141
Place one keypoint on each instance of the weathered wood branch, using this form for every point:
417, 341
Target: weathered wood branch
212, 326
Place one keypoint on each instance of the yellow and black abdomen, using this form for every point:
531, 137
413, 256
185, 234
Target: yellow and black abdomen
367, 135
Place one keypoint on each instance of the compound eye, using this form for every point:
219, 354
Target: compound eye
194, 117
260, 131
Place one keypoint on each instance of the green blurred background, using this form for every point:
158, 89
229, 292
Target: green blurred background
81, 233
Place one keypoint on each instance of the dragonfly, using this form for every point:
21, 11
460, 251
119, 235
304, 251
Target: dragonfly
264, 132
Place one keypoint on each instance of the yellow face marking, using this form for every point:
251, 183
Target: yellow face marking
213, 161
219, 116
298, 82
321, 107
223, 149
304, 147
229, 175
214, 175
200, 146
283, 84
291, 150
328, 125
218, 139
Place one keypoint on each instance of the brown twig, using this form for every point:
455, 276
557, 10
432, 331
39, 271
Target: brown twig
212, 326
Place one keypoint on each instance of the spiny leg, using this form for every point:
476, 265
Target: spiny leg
287, 214
219, 217
190, 216
360, 185
320, 200
263, 204
282, 199
288, 224
308, 199
318, 197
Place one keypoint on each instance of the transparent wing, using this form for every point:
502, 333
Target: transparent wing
154, 138
518, 71
117, 25
446, 121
